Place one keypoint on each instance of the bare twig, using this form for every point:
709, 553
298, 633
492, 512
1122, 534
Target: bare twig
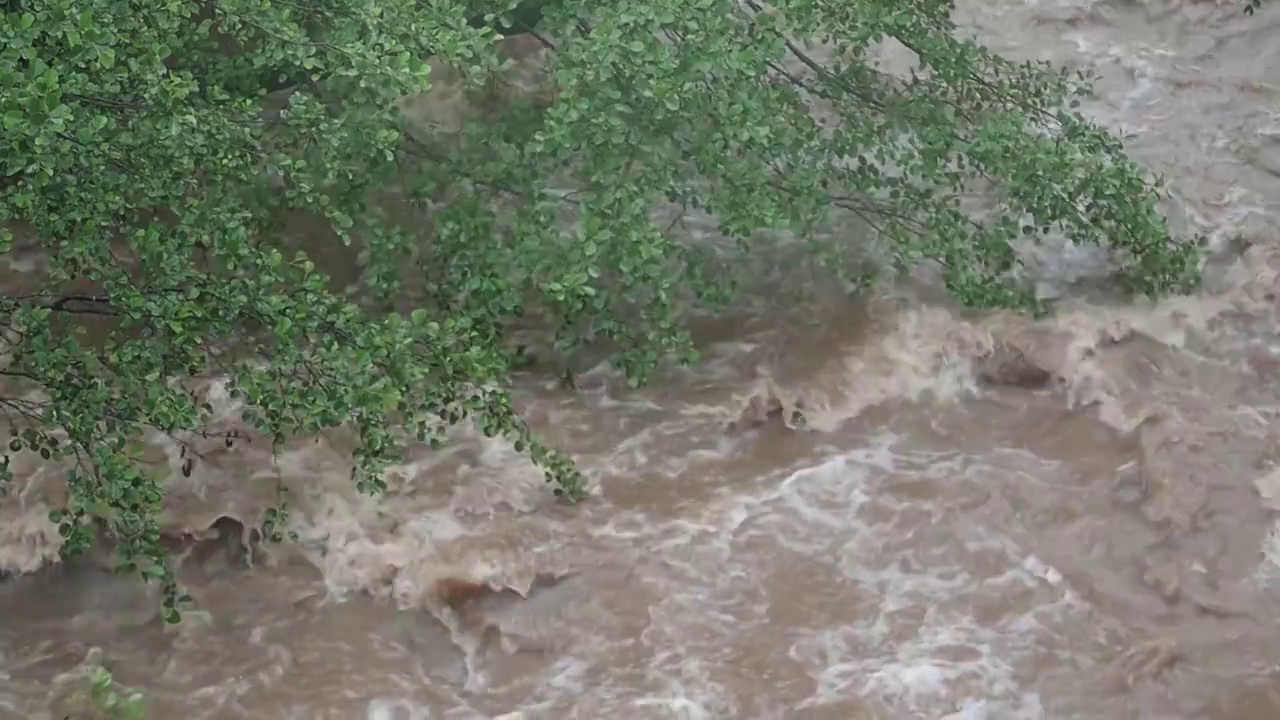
543, 40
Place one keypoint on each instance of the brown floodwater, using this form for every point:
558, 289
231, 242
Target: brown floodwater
982, 517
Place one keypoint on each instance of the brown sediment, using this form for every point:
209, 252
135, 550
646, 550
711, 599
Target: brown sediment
457, 593
1009, 366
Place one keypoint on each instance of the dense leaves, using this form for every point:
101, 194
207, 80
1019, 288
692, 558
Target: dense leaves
154, 148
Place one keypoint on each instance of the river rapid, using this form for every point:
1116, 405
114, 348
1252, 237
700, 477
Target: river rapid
984, 517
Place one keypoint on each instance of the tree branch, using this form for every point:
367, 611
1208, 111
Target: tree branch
77, 304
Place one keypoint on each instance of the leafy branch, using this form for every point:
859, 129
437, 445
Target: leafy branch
155, 153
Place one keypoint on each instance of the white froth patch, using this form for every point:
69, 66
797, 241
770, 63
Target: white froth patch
399, 544
384, 709
942, 663
1269, 568
922, 653
28, 540
682, 708
927, 354
796, 489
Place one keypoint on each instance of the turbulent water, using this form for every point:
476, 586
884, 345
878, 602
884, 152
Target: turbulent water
984, 517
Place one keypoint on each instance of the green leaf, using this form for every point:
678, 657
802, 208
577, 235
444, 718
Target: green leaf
12, 119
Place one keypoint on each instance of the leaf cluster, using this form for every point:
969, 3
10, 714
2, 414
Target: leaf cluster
155, 152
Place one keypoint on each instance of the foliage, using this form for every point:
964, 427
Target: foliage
137, 154
107, 700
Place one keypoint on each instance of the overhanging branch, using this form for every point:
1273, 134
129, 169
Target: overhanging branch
75, 304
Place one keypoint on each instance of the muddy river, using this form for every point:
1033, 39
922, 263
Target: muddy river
948, 537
